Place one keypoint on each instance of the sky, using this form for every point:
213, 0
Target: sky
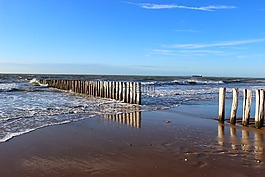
223, 38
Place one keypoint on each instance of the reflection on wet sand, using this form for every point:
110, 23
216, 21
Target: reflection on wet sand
132, 118
221, 134
258, 145
245, 141
249, 140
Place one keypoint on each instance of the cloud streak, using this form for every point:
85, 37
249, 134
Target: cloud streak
188, 52
174, 6
218, 44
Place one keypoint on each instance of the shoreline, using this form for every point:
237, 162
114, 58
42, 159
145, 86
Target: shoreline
174, 142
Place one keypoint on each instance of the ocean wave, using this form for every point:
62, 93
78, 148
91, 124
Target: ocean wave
183, 82
36, 82
7, 87
16, 127
197, 82
148, 83
34, 86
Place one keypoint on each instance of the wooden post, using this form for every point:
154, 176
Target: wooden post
134, 93
261, 109
138, 93
120, 91
246, 106
128, 92
86, 87
257, 107
259, 115
234, 106
106, 89
89, 88
117, 91
222, 104
72, 85
113, 90
131, 93
123, 91
79, 87
96, 85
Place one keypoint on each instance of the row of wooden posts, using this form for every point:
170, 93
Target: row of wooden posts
128, 92
259, 110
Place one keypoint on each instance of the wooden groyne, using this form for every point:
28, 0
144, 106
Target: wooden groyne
128, 92
247, 98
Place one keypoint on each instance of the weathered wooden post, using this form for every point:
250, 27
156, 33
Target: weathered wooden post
246, 106
259, 114
123, 91
106, 89
120, 91
127, 92
96, 85
79, 86
89, 88
83, 87
71, 85
257, 106
222, 91
117, 90
113, 89
259, 123
131, 93
234, 106
138, 93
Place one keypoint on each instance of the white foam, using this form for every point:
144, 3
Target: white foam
34, 81
7, 86
20, 131
8, 136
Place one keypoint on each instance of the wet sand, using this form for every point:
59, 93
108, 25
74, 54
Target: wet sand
175, 142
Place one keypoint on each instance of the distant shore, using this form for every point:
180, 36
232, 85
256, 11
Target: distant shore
174, 142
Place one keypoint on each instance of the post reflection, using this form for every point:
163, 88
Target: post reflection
221, 134
258, 145
233, 137
249, 140
132, 118
245, 141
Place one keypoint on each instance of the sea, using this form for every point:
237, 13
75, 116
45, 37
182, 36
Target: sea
26, 105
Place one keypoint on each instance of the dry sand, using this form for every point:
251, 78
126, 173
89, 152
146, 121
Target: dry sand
175, 142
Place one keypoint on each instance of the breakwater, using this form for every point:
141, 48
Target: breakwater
127, 92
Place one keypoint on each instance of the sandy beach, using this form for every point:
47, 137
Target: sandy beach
174, 142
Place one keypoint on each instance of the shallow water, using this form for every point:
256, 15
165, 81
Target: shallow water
26, 106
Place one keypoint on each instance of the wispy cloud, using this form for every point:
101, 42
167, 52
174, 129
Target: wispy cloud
163, 51
252, 56
218, 44
188, 52
174, 6
202, 51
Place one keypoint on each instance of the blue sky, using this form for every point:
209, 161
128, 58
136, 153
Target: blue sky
136, 37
